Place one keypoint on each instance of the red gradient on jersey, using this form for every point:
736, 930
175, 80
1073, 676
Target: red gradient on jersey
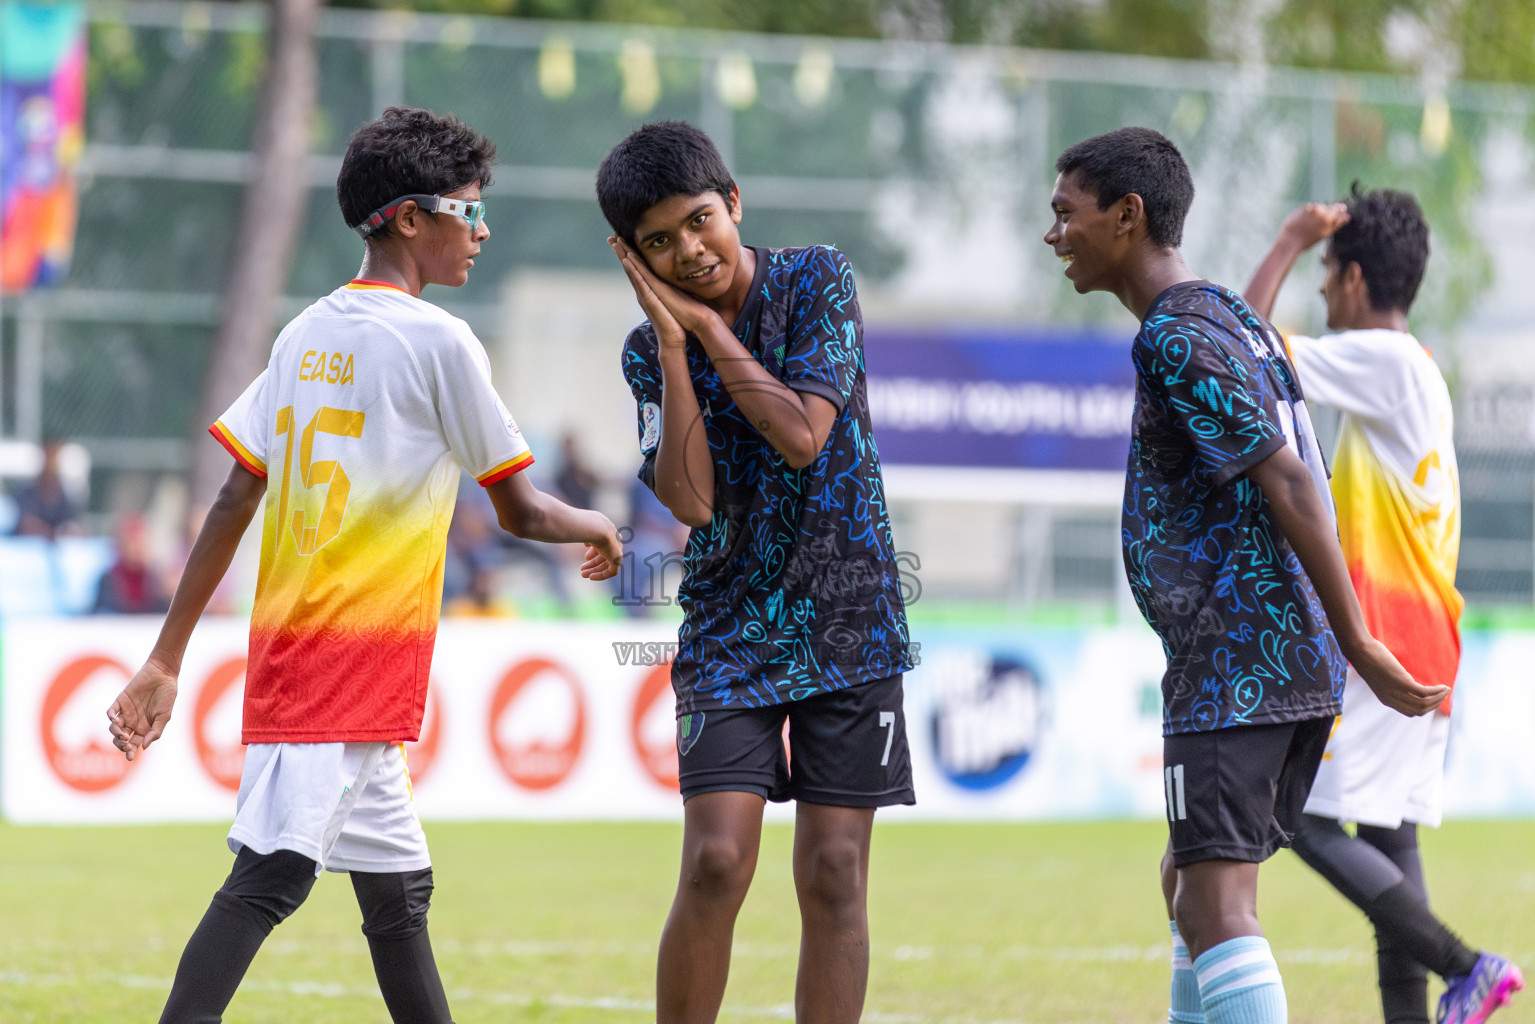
336, 686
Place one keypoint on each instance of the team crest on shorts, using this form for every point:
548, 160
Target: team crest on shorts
689, 728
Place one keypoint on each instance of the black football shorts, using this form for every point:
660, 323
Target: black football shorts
1237, 793
846, 748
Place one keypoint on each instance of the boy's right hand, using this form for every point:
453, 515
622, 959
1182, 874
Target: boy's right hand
139, 714
669, 332
1313, 222
1391, 683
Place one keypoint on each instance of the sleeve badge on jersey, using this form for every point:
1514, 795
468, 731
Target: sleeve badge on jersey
650, 418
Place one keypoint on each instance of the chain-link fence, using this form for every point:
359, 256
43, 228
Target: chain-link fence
929, 165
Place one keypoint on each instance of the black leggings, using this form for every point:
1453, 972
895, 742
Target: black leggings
1380, 872
262, 891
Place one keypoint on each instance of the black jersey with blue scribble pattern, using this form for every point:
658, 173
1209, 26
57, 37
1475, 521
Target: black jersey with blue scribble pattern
792, 589
1246, 639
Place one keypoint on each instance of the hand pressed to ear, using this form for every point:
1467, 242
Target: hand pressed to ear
1313, 222
689, 313
669, 332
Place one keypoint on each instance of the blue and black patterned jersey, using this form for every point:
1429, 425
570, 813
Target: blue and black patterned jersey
793, 588
1246, 639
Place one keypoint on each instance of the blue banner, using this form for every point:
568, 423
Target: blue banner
1020, 398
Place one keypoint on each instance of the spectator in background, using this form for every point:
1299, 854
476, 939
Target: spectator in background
472, 547
43, 507
131, 586
642, 585
477, 546
576, 481
481, 600
224, 600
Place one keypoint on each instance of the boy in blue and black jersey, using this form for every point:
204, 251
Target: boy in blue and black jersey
1232, 554
754, 431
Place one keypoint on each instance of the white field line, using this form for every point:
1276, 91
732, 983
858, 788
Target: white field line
1156, 952
1127, 953
331, 990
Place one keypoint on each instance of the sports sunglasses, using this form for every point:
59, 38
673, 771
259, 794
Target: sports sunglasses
473, 212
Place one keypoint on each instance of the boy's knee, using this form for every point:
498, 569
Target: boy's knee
831, 871
393, 903
719, 864
267, 887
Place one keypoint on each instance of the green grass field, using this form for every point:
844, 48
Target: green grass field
558, 923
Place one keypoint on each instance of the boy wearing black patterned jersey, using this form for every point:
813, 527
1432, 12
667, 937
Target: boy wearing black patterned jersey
754, 430
1233, 558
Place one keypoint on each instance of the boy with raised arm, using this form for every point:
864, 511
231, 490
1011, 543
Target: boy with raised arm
1398, 496
754, 431
352, 441
1231, 553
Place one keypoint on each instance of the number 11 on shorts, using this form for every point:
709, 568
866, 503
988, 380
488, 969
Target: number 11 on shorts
1172, 782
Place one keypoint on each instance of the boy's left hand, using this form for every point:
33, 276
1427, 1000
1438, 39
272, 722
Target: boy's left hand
692, 315
604, 554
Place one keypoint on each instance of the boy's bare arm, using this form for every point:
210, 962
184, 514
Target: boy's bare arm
795, 423
684, 470
1301, 515
525, 511
139, 714
1302, 229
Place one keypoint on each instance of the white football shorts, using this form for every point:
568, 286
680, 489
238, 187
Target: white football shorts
346, 806
1381, 767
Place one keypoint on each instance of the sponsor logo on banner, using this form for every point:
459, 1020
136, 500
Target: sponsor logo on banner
654, 728
420, 754
987, 715
216, 721
74, 728
538, 723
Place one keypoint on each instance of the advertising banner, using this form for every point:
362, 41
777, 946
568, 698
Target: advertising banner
42, 132
540, 721
523, 721
1043, 399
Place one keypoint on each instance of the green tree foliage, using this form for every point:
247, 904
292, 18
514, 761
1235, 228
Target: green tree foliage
808, 17
1487, 40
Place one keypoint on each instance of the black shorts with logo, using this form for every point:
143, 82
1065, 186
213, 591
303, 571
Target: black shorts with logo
1237, 793
846, 748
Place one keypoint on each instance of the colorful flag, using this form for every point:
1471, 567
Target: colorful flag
42, 130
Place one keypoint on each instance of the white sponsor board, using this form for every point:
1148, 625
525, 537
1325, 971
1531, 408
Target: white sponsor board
523, 721
575, 721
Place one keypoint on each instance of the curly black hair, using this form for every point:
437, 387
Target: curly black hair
655, 162
409, 151
1388, 237
1141, 161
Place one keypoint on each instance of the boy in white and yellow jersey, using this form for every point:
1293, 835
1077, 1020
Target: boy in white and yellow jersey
1398, 499
353, 439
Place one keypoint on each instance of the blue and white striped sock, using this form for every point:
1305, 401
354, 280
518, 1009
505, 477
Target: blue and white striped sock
1239, 983
1186, 1007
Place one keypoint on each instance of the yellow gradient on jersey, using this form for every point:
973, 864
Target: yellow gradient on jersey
379, 572
1401, 554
